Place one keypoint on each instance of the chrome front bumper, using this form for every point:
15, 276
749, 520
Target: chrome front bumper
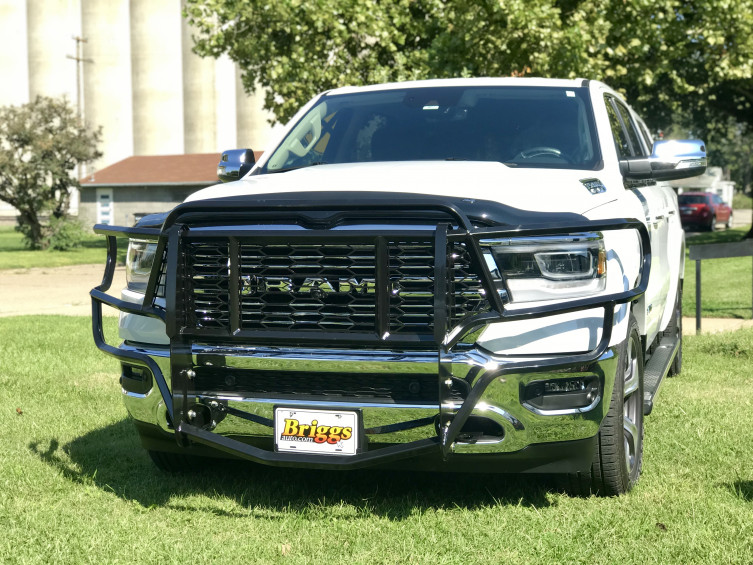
500, 400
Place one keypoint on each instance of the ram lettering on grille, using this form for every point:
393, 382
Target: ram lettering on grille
329, 287
252, 284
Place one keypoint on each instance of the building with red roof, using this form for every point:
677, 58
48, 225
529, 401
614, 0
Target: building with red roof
122, 193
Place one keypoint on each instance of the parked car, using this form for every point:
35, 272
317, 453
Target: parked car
461, 275
704, 210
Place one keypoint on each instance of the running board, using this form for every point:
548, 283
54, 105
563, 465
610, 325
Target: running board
657, 368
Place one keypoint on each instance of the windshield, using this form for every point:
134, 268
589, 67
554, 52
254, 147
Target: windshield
515, 125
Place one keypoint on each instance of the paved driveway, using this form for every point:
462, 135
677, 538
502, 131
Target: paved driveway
62, 290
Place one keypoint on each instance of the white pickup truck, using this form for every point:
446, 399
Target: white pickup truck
466, 275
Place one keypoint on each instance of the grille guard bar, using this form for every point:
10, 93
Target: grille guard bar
445, 338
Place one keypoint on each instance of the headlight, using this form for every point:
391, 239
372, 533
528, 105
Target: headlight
139, 262
548, 267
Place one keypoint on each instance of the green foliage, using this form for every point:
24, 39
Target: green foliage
742, 201
66, 234
41, 144
732, 147
15, 255
666, 55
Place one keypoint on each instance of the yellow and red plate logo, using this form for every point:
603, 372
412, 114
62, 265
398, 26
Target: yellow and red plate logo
329, 432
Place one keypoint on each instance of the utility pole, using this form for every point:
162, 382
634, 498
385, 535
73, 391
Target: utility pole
79, 61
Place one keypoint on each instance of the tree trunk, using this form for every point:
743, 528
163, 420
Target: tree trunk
31, 227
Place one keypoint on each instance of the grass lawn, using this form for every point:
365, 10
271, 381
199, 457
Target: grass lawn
75, 486
13, 254
726, 284
741, 201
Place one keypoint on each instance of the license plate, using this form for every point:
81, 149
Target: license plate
327, 432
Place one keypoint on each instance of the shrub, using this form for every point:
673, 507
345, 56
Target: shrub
66, 234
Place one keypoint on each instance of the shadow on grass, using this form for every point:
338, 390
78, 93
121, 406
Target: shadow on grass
743, 490
726, 236
730, 312
112, 459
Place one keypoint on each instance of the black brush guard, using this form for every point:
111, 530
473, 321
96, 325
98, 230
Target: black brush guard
222, 215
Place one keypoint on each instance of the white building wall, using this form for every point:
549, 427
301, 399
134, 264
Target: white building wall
226, 134
157, 77
14, 57
252, 122
52, 24
199, 98
107, 78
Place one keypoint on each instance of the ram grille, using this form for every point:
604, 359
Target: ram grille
327, 287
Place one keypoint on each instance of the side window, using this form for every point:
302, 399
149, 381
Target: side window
631, 130
620, 138
647, 137
626, 135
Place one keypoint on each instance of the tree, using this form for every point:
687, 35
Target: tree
41, 144
667, 55
733, 149
687, 58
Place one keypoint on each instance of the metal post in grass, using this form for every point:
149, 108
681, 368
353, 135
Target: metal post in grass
742, 248
698, 296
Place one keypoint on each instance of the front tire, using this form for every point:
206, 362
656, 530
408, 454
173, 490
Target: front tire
712, 225
618, 460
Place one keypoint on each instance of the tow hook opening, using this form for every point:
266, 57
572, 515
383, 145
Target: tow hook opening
478, 429
135, 379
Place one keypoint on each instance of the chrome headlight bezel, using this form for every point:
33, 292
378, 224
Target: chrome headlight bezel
139, 262
551, 267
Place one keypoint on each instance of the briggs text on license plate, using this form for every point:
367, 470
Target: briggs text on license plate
329, 432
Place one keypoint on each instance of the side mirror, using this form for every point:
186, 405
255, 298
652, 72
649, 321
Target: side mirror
670, 160
234, 164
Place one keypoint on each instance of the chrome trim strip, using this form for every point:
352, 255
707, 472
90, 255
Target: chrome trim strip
351, 361
135, 394
565, 412
309, 403
514, 422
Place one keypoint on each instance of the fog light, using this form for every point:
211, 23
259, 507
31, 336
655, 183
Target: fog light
569, 385
562, 394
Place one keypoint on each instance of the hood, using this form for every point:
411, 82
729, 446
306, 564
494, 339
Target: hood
542, 190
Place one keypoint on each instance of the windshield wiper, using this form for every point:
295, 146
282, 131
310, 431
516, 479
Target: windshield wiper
285, 170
